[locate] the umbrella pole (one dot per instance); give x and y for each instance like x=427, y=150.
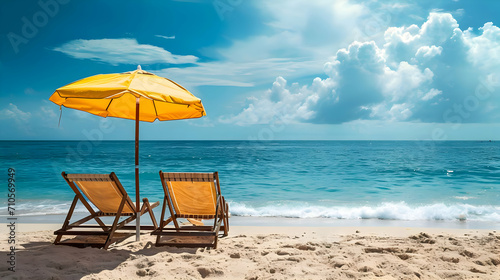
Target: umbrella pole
x=137, y=196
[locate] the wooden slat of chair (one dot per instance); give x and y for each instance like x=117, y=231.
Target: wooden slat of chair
x=196, y=177
x=90, y=177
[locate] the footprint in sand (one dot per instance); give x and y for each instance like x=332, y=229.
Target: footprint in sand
x=205, y=272
x=140, y=265
x=146, y=272
x=235, y=255
x=282, y=253
x=305, y=247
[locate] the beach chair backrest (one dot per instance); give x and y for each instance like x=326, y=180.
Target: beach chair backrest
x=192, y=193
x=103, y=190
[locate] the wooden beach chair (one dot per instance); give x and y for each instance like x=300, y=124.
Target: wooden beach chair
x=107, y=194
x=195, y=197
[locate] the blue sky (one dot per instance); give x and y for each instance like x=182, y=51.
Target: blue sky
x=265, y=70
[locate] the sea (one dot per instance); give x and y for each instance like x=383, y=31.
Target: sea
x=406, y=183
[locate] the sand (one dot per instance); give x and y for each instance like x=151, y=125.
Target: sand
x=268, y=253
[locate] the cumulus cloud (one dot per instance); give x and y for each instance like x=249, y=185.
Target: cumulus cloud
x=428, y=51
x=121, y=51
x=14, y=113
x=435, y=72
x=281, y=103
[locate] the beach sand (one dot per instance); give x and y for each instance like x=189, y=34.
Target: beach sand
x=252, y=252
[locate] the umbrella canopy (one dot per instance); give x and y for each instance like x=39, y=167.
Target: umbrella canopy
x=136, y=95
x=114, y=95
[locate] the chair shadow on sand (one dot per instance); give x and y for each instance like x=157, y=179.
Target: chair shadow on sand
x=44, y=260
x=38, y=258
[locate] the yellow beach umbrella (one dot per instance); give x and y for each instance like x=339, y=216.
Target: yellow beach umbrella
x=137, y=95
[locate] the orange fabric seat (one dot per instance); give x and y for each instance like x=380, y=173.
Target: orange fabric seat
x=195, y=197
x=107, y=194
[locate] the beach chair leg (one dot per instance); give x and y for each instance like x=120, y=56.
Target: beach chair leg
x=174, y=219
x=218, y=222
x=68, y=218
x=158, y=239
x=225, y=216
x=115, y=223
x=147, y=207
x=225, y=226
x=160, y=228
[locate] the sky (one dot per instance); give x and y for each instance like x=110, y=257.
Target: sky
x=264, y=70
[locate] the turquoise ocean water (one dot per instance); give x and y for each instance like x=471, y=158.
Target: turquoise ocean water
x=336, y=180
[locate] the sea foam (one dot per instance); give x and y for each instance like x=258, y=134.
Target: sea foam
x=385, y=211
x=43, y=207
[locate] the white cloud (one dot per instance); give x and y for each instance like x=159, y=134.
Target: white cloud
x=166, y=37
x=122, y=51
x=431, y=94
x=48, y=112
x=432, y=73
x=438, y=28
x=79, y=114
x=428, y=52
x=228, y=73
x=403, y=43
x=484, y=49
x=295, y=43
x=400, y=112
x=405, y=81
x=47, y=116
x=281, y=103
x=14, y=113
x=203, y=122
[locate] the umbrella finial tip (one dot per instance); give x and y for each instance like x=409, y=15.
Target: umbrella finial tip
x=139, y=67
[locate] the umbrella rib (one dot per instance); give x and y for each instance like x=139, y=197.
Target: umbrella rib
x=140, y=94
x=109, y=104
x=112, y=96
x=154, y=106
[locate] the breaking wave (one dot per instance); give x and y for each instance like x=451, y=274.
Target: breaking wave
x=384, y=211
